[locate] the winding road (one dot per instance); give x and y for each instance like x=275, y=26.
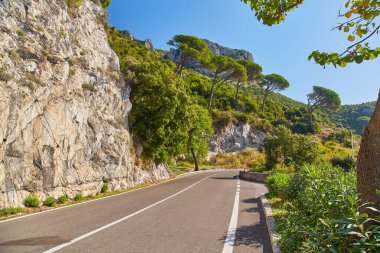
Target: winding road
x=204, y=212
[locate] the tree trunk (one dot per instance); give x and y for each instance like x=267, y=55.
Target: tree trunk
x=211, y=96
x=368, y=165
x=237, y=92
x=264, y=101
x=196, y=167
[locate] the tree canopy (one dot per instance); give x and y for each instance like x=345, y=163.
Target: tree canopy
x=358, y=20
x=272, y=82
x=224, y=69
x=191, y=48
x=321, y=98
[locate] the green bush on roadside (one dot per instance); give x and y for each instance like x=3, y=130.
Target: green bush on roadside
x=322, y=213
x=62, y=199
x=32, y=200
x=104, y=188
x=12, y=210
x=50, y=201
x=78, y=197
x=277, y=184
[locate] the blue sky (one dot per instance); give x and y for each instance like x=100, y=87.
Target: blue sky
x=281, y=49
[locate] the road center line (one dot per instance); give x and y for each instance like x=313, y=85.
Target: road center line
x=55, y=249
x=231, y=234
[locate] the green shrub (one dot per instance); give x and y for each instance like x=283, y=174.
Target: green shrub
x=78, y=197
x=347, y=163
x=62, y=199
x=104, y=188
x=12, y=210
x=289, y=149
x=277, y=184
x=323, y=204
x=50, y=201
x=32, y=200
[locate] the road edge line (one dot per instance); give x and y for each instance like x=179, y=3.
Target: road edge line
x=231, y=234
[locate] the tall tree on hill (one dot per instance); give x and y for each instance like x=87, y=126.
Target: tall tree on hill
x=359, y=21
x=200, y=129
x=253, y=70
x=224, y=69
x=190, y=49
x=321, y=98
x=270, y=84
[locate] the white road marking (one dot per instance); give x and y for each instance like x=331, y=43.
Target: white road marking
x=231, y=234
x=103, y=198
x=55, y=249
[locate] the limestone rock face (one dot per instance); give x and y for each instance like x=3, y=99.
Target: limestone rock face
x=236, y=138
x=226, y=51
x=63, y=108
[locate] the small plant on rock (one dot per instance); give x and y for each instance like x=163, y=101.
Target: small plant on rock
x=62, y=199
x=78, y=197
x=32, y=200
x=104, y=188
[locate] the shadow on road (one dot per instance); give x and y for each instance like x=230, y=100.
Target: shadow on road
x=47, y=240
x=254, y=236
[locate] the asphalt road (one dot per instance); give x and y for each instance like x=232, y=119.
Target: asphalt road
x=194, y=213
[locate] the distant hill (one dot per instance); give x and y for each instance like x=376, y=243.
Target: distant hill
x=349, y=114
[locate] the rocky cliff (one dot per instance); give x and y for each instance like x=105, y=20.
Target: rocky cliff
x=216, y=49
x=226, y=51
x=236, y=138
x=63, y=107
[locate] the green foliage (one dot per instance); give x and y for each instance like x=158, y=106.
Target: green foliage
x=50, y=201
x=200, y=129
x=277, y=184
x=104, y=188
x=342, y=136
x=347, y=163
x=322, y=214
x=353, y=116
x=191, y=49
x=289, y=149
x=62, y=199
x=253, y=70
x=32, y=200
x=272, y=83
x=12, y=210
x=78, y=197
x=358, y=20
x=323, y=98
x=74, y=3
x=105, y=3
x=272, y=12
x=160, y=117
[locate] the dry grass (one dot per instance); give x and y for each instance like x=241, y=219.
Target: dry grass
x=245, y=159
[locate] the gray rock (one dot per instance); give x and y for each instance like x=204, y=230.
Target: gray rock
x=236, y=138
x=63, y=116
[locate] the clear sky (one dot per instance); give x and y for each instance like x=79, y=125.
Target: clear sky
x=281, y=49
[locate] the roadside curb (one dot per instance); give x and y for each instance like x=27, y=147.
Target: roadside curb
x=270, y=224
